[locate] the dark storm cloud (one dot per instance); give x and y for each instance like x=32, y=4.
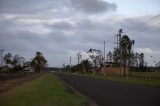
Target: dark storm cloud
x=93, y=6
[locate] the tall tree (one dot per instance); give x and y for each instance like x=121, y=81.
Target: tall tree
x=125, y=46
x=38, y=62
x=16, y=60
x=86, y=65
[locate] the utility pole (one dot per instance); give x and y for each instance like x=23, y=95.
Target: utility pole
x=104, y=60
x=70, y=60
x=119, y=38
x=1, y=56
x=83, y=65
x=78, y=57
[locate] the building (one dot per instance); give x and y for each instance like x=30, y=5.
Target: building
x=29, y=69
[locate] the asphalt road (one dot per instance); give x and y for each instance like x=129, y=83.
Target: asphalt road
x=110, y=93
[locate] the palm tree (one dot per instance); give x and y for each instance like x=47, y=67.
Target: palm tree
x=38, y=62
x=126, y=46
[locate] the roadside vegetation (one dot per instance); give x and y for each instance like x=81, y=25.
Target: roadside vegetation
x=17, y=64
x=138, y=78
x=122, y=64
x=44, y=91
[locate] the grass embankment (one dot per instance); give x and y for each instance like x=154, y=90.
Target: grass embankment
x=44, y=91
x=146, y=82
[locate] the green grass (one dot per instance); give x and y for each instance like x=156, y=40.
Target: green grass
x=153, y=83
x=44, y=91
x=147, y=74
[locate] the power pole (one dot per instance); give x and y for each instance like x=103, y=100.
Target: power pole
x=117, y=41
x=104, y=60
x=78, y=57
x=83, y=65
x=119, y=38
x=70, y=60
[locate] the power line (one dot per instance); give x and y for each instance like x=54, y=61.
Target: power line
x=132, y=29
x=137, y=31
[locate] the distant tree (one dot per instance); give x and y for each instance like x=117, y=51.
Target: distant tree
x=116, y=55
x=38, y=62
x=16, y=60
x=87, y=66
x=136, y=59
x=27, y=64
x=18, y=63
x=141, y=60
x=96, y=56
x=22, y=61
x=8, y=59
x=14, y=63
x=110, y=56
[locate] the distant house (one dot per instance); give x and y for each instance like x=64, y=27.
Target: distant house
x=29, y=69
x=113, y=68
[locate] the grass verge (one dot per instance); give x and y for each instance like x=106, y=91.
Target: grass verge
x=44, y=91
x=153, y=83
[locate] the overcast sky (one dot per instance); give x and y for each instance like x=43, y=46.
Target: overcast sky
x=61, y=28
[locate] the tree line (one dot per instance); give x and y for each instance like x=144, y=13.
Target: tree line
x=16, y=63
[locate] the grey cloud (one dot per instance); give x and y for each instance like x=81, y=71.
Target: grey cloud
x=146, y=35
x=85, y=34
x=93, y=6
x=88, y=24
x=60, y=25
x=26, y=44
x=58, y=37
x=28, y=6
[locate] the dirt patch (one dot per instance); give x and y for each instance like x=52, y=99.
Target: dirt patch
x=6, y=85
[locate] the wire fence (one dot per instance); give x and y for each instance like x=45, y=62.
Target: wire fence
x=138, y=77
x=135, y=77
x=9, y=76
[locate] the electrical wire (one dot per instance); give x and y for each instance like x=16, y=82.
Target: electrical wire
x=140, y=25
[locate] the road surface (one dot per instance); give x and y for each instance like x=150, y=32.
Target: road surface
x=110, y=93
